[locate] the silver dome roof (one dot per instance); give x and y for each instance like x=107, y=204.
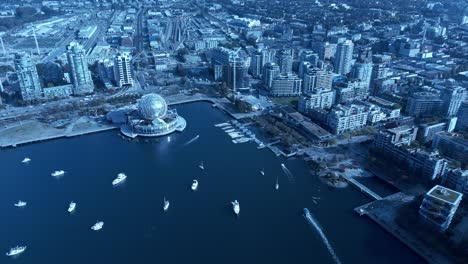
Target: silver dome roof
x=152, y=106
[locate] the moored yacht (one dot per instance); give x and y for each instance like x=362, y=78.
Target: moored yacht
x=71, y=207
x=15, y=251
x=57, y=173
x=235, y=207
x=120, y=178
x=97, y=226
x=194, y=185
x=166, y=205
x=20, y=204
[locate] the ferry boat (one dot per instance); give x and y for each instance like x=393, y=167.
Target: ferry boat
x=194, y=185
x=235, y=207
x=166, y=205
x=201, y=166
x=71, y=207
x=20, y=204
x=57, y=173
x=26, y=160
x=97, y=226
x=15, y=251
x=120, y=178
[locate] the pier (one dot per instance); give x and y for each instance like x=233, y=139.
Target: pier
x=363, y=188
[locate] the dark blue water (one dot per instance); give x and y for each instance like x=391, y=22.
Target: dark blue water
x=199, y=227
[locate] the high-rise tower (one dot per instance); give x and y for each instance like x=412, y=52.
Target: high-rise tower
x=28, y=78
x=79, y=72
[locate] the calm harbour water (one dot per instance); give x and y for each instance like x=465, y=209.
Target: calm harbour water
x=199, y=227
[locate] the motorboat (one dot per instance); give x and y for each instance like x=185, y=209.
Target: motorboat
x=235, y=207
x=166, y=205
x=120, y=178
x=16, y=250
x=194, y=185
x=201, y=166
x=97, y=226
x=57, y=173
x=26, y=160
x=71, y=207
x=20, y=204
x=262, y=172
x=277, y=184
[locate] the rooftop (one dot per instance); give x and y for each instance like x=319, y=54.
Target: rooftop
x=445, y=194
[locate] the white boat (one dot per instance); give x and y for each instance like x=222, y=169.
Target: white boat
x=262, y=172
x=57, y=173
x=26, y=160
x=120, y=178
x=71, y=207
x=235, y=207
x=20, y=204
x=97, y=226
x=194, y=185
x=166, y=205
x=201, y=166
x=282, y=165
x=277, y=184
x=169, y=139
x=15, y=251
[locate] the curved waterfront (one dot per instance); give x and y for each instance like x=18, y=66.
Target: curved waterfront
x=199, y=227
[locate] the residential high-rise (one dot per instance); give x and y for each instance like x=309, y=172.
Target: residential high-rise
x=452, y=99
x=270, y=72
x=79, y=72
x=327, y=50
x=122, y=70
x=28, y=78
x=256, y=65
x=423, y=104
x=231, y=67
x=362, y=71
x=317, y=79
x=462, y=123
x=343, y=57
x=439, y=206
x=285, y=61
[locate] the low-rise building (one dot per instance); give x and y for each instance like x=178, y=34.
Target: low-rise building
x=439, y=206
x=395, y=145
x=457, y=180
x=58, y=91
x=286, y=85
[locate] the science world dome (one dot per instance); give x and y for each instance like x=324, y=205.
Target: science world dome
x=151, y=117
x=152, y=106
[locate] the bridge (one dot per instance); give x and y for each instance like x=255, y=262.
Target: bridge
x=363, y=188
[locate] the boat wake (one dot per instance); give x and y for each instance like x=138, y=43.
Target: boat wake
x=192, y=140
x=317, y=227
x=288, y=173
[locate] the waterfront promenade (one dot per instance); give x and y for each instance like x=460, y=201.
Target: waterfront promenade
x=34, y=131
